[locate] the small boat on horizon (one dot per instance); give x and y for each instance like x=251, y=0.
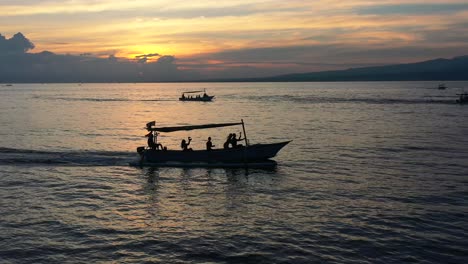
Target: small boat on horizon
x=197, y=96
x=442, y=86
x=256, y=155
x=462, y=98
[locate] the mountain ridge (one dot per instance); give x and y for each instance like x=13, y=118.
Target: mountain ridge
x=454, y=69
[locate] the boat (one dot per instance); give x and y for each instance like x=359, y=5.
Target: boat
x=462, y=98
x=197, y=96
x=442, y=86
x=248, y=155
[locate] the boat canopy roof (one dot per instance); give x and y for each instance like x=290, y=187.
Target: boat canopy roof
x=193, y=92
x=191, y=127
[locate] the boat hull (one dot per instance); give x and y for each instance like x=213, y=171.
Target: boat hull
x=199, y=99
x=250, y=154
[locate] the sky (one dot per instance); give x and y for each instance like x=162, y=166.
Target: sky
x=236, y=38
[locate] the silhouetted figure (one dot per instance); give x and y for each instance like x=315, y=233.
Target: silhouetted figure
x=228, y=141
x=209, y=144
x=234, y=140
x=151, y=143
x=184, y=144
x=156, y=144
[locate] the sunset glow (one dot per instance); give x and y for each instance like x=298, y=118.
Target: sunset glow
x=244, y=32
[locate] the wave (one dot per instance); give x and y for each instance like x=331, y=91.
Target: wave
x=90, y=99
x=321, y=100
x=13, y=156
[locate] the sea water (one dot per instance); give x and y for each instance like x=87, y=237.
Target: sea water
x=377, y=172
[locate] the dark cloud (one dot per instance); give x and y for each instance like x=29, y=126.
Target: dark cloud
x=147, y=55
x=18, y=66
x=112, y=58
x=17, y=44
x=288, y=54
x=144, y=57
x=453, y=33
x=309, y=58
x=166, y=60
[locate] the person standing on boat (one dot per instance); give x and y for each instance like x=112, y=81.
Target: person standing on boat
x=184, y=144
x=151, y=143
x=209, y=144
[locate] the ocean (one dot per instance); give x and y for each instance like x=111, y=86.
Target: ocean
x=377, y=172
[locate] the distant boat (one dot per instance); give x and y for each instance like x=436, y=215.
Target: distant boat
x=442, y=86
x=462, y=98
x=256, y=154
x=196, y=96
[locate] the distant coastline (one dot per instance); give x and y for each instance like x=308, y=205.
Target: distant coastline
x=432, y=70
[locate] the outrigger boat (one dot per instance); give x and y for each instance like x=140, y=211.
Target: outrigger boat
x=186, y=96
x=248, y=155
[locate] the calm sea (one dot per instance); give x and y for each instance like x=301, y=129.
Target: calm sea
x=377, y=172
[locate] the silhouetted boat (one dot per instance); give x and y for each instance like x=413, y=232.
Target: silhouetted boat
x=462, y=98
x=196, y=96
x=442, y=86
x=248, y=155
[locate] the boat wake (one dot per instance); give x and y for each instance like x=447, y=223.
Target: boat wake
x=23, y=157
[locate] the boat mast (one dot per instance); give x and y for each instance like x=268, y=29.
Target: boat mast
x=245, y=135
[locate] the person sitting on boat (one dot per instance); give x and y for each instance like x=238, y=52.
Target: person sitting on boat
x=234, y=140
x=184, y=144
x=205, y=95
x=209, y=144
x=183, y=96
x=228, y=141
x=152, y=141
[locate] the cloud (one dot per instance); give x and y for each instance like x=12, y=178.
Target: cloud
x=17, y=44
x=380, y=48
x=412, y=9
x=144, y=57
x=16, y=65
